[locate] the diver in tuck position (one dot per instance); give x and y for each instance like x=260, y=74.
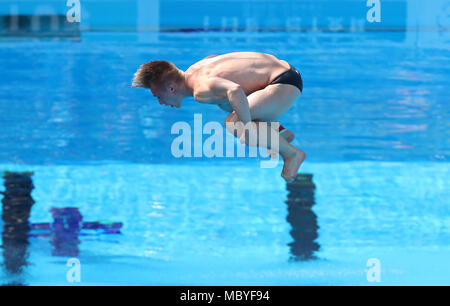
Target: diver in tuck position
x=253, y=87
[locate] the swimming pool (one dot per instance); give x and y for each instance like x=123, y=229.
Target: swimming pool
x=373, y=120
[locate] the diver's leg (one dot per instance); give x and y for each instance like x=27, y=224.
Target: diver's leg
x=267, y=105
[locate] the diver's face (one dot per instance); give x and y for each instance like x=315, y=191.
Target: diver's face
x=168, y=96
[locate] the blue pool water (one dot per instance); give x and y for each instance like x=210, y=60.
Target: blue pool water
x=373, y=120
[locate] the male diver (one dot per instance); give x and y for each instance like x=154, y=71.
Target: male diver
x=252, y=87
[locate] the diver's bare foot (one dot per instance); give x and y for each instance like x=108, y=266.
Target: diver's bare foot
x=292, y=164
x=288, y=135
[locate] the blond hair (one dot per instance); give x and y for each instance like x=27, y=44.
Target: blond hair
x=156, y=73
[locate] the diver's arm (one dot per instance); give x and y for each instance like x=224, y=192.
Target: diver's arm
x=219, y=89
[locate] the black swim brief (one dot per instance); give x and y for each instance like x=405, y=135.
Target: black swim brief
x=292, y=77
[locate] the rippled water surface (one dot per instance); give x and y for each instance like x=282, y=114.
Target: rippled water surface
x=373, y=120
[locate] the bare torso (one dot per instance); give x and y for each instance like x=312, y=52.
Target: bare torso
x=251, y=70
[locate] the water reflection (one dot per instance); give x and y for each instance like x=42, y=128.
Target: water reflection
x=16, y=207
x=67, y=227
x=65, y=230
x=302, y=218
